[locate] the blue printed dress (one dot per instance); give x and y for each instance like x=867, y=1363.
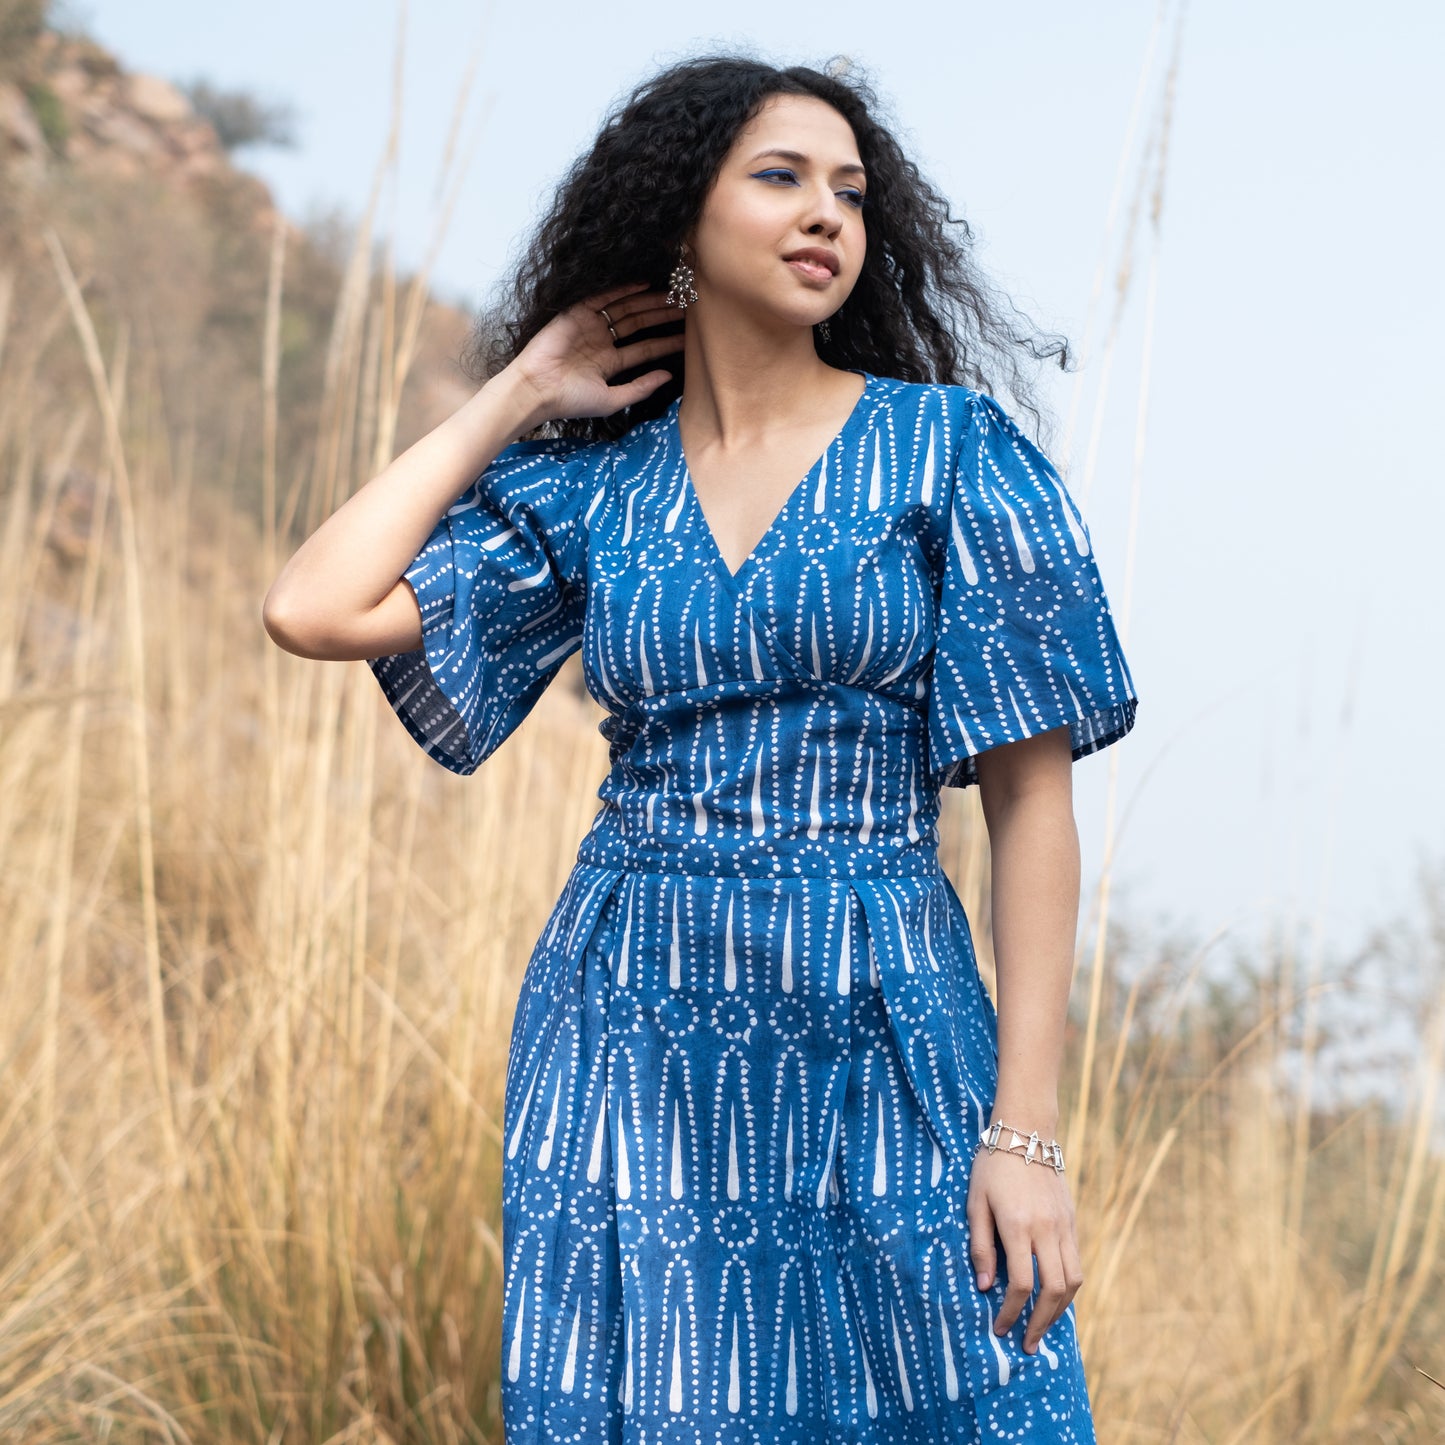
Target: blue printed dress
x=752, y=1053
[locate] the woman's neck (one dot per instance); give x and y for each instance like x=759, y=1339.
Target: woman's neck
x=740, y=387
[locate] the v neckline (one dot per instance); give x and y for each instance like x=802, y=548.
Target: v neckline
x=705, y=527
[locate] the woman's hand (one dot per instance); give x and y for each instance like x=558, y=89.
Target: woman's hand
x=1030, y=1207
x=565, y=369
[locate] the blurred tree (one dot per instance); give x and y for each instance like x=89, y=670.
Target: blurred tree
x=239, y=118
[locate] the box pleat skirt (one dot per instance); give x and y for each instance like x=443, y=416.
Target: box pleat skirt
x=739, y=1123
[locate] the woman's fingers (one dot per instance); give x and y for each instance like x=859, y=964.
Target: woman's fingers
x=627, y=303
x=980, y=1233
x=615, y=293
x=631, y=392
x=570, y=361
x=1019, y=1255
x=639, y=351
x=1060, y=1275
x=642, y=312
x=626, y=324
x=1032, y=1219
x=1054, y=1293
x=1073, y=1267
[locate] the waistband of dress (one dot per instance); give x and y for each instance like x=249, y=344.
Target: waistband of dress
x=847, y=867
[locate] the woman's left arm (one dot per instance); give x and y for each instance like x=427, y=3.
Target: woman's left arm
x=1026, y=789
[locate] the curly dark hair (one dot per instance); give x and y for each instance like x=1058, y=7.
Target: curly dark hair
x=920, y=311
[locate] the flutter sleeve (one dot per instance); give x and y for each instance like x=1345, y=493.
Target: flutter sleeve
x=501, y=583
x=1026, y=640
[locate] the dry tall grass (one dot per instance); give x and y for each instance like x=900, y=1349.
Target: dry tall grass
x=259, y=959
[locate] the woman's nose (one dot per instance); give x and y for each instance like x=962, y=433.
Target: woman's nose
x=825, y=214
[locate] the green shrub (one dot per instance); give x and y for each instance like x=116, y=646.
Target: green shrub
x=49, y=114
x=240, y=119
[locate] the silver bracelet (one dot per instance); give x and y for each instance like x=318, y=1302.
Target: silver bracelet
x=1034, y=1150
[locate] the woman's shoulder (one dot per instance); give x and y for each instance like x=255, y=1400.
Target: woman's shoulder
x=926, y=398
x=942, y=412
x=962, y=411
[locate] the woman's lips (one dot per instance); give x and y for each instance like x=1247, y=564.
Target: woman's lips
x=813, y=270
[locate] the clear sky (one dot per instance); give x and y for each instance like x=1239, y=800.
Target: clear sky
x=1283, y=616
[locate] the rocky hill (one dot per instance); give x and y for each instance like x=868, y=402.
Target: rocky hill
x=77, y=107
x=171, y=240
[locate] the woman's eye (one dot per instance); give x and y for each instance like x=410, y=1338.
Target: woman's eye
x=855, y=199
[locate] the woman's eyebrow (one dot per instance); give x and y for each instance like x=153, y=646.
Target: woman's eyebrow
x=851, y=167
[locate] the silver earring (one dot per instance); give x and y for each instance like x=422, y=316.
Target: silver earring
x=825, y=331
x=681, y=291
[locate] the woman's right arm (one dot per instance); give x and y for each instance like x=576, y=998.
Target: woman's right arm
x=342, y=595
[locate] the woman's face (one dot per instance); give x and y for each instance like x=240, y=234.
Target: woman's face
x=791, y=184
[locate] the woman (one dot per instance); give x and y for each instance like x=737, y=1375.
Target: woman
x=815, y=577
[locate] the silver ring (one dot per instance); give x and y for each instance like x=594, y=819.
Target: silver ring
x=602, y=311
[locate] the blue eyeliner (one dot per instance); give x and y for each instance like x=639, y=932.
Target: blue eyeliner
x=858, y=198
